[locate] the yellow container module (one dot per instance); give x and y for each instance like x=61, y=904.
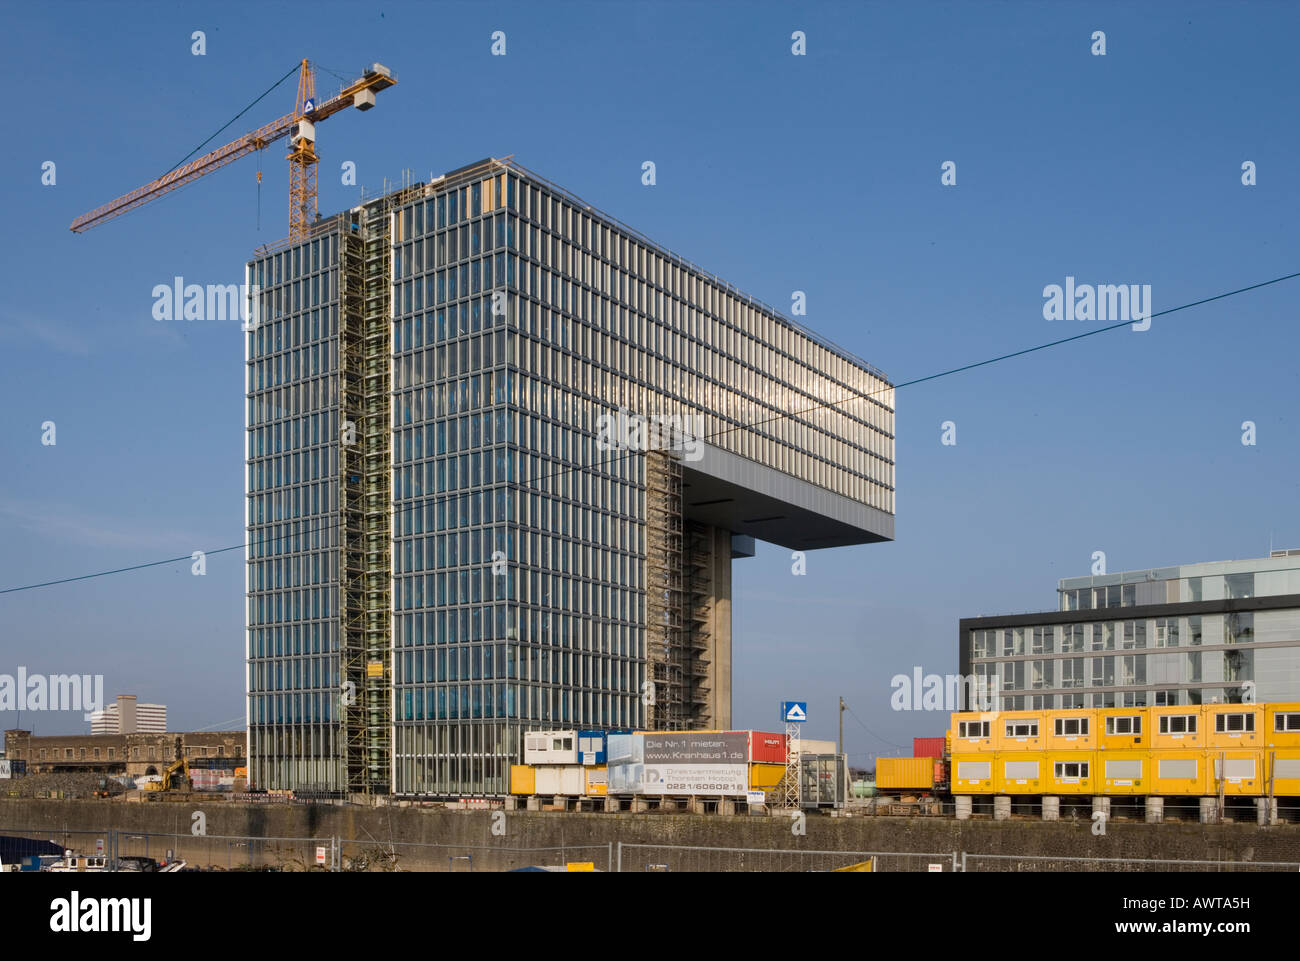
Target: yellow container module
x=1282, y=724
x=597, y=780
x=523, y=779
x=764, y=777
x=1123, y=772
x=1020, y=731
x=1071, y=730
x=1123, y=728
x=905, y=773
x=1234, y=725
x=1020, y=772
x=1282, y=767
x=1239, y=771
x=972, y=731
x=1181, y=727
x=1178, y=772
x=1069, y=772
x=973, y=773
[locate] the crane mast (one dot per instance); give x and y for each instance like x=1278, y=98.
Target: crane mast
x=299, y=127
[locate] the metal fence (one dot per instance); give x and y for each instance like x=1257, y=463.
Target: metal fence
x=244, y=853
x=1019, y=862
x=376, y=855
x=230, y=852
x=677, y=858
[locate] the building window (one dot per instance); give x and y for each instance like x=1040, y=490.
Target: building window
x=1022, y=729
x=1238, y=628
x=1071, y=727
x=1240, y=585
x=1126, y=724
x=1071, y=770
x=1238, y=666
x=1167, y=632
x=111, y=753
x=67, y=754
x=972, y=728
x=1178, y=724
x=1043, y=640
x=1234, y=723
x=96, y=754
x=1281, y=722
x=1280, y=716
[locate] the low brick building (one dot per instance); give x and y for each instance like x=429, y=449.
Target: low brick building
x=133, y=754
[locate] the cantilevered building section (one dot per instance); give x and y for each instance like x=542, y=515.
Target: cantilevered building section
x=443, y=550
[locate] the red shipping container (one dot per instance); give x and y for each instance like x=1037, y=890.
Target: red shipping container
x=766, y=748
x=927, y=747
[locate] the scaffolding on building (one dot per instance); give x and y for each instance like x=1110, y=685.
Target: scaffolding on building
x=698, y=570
x=668, y=709
x=365, y=492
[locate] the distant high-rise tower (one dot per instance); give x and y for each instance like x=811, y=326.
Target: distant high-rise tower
x=501, y=452
x=129, y=717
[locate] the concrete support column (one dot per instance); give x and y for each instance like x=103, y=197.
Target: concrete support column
x=963, y=804
x=534, y=804
x=695, y=805
x=1100, y=805
x=1002, y=807
x=511, y=803
x=1266, y=811
x=640, y=805
x=727, y=806
x=1155, y=810
x=611, y=805
x=1209, y=810
x=561, y=802
x=1051, y=809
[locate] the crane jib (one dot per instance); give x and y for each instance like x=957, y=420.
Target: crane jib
x=359, y=94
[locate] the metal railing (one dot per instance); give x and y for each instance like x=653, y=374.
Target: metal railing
x=677, y=858
x=1020, y=862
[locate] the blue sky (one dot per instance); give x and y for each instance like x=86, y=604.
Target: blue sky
x=818, y=173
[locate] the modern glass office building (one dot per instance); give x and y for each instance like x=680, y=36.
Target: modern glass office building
x=1212, y=633
x=502, y=451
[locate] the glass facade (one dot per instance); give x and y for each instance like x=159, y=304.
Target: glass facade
x=519, y=316
x=292, y=484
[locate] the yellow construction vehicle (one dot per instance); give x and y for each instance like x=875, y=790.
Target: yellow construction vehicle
x=170, y=779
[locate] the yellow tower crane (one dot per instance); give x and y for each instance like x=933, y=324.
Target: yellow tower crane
x=299, y=127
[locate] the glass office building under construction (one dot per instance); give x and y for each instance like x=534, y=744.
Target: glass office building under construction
x=501, y=452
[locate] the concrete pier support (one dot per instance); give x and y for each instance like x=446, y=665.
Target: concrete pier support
x=1100, y=805
x=1155, y=810
x=1051, y=809
x=640, y=805
x=1209, y=810
x=611, y=805
x=1266, y=811
x=1002, y=807
x=963, y=805
x=534, y=804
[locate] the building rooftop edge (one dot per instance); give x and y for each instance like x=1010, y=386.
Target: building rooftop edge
x=468, y=171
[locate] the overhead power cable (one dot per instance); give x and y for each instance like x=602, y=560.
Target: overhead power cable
x=292, y=71
x=717, y=434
